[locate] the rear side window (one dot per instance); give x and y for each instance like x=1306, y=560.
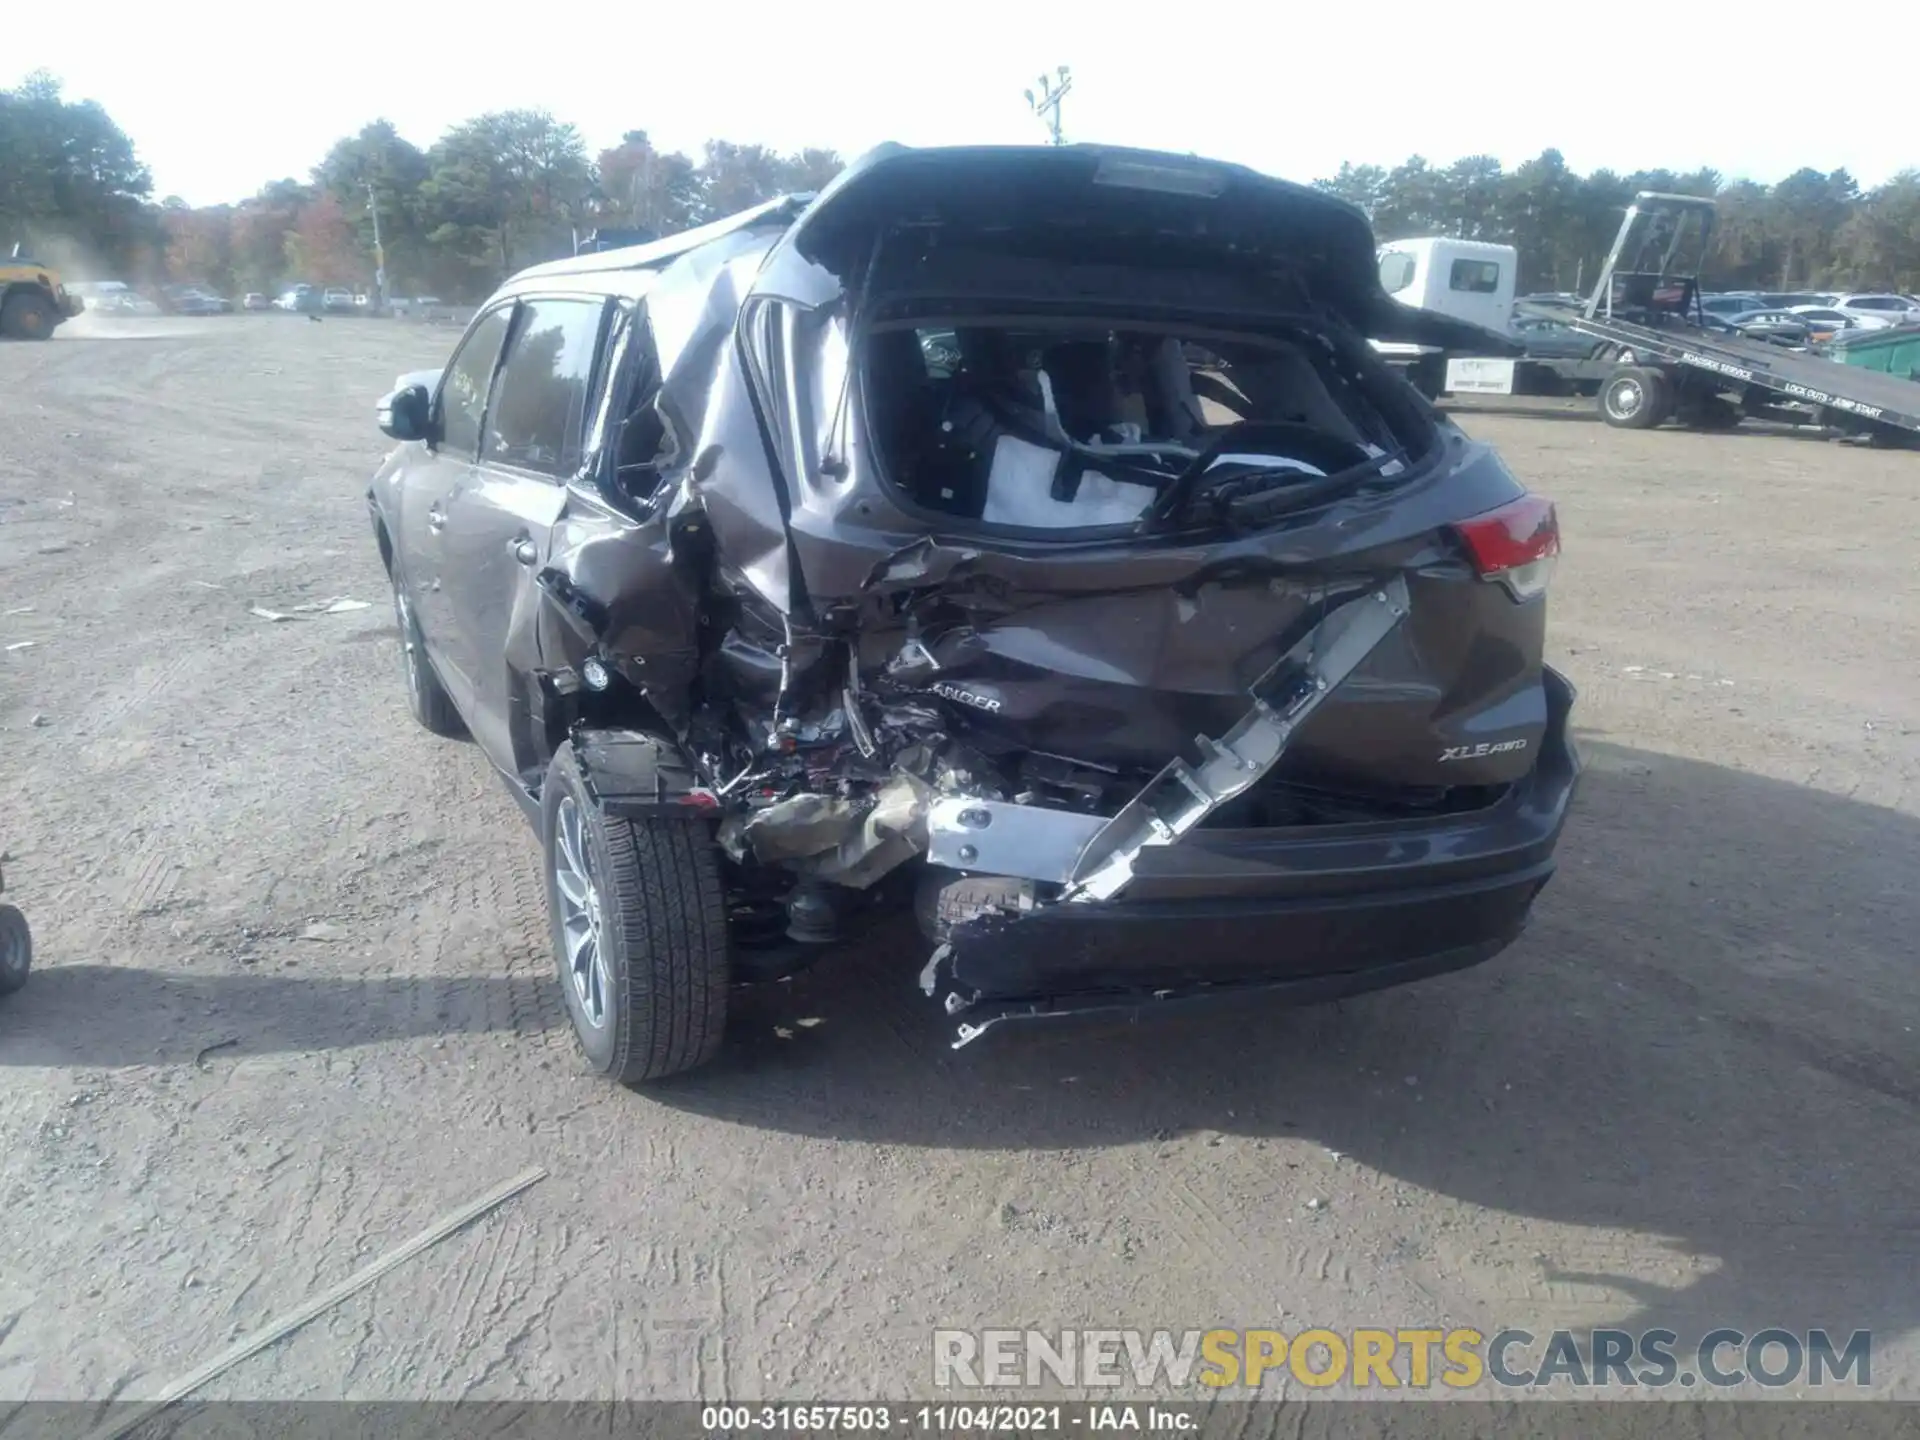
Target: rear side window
x=645, y=441
x=463, y=396
x=1479, y=277
x=538, y=416
x=1396, y=272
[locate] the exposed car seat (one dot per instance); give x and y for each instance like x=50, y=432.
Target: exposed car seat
x=991, y=444
x=1174, y=409
x=1284, y=385
x=1080, y=374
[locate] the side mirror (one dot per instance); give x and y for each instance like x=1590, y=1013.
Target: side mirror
x=407, y=414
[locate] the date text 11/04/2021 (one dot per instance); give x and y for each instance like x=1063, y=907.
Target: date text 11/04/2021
x=949, y=1418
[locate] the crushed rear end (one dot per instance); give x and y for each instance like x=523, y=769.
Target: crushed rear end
x=1041, y=522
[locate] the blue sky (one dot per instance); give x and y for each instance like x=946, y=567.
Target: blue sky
x=1290, y=90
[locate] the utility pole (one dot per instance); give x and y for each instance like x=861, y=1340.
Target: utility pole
x=1047, y=106
x=379, y=253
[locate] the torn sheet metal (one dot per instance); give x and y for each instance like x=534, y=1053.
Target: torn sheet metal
x=1181, y=796
x=847, y=841
x=1093, y=856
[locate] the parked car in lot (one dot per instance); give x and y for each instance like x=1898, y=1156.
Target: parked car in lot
x=1780, y=327
x=124, y=303
x=417, y=306
x=97, y=294
x=1891, y=309
x=254, y=300
x=1823, y=322
x=193, y=299
x=336, y=301
x=1724, y=306
x=771, y=624
x=1549, y=340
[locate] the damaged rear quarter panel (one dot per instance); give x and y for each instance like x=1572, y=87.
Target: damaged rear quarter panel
x=649, y=602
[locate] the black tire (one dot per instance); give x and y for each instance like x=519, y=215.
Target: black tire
x=1634, y=398
x=661, y=929
x=948, y=898
x=1713, y=412
x=28, y=315
x=16, y=949
x=426, y=696
x=1662, y=391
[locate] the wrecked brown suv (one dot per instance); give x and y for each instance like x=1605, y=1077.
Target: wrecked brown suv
x=1025, y=537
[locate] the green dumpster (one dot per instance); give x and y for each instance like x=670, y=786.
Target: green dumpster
x=1895, y=351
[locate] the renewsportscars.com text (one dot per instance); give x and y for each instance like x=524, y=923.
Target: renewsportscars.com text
x=1393, y=1359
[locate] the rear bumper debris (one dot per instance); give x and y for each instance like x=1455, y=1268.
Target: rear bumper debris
x=1291, y=916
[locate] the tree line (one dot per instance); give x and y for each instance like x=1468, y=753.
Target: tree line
x=1809, y=230
x=510, y=188
x=492, y=195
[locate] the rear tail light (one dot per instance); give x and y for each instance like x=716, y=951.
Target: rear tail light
x=1515, y=544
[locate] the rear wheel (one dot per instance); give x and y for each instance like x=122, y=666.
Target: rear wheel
x=28, y=315
x=1634, y=398
x=639, y=922
x=426, y=696
x=16, y=949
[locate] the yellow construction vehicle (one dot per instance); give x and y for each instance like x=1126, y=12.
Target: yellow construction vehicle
x=33, y=302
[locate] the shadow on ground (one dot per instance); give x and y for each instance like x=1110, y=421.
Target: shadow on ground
x=1709, y=1035
x=109, y=1016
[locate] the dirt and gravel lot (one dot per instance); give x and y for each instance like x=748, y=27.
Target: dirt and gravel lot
x=295, y=998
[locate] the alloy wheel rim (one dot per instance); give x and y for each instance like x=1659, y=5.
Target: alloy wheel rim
x=1627, y=398
x=581, y=930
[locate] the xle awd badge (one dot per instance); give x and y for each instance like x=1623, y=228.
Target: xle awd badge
x=1485, y=747
x=966, y=697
